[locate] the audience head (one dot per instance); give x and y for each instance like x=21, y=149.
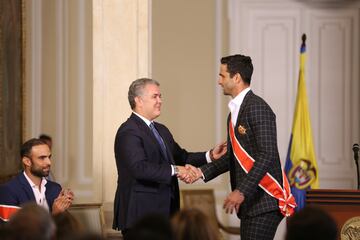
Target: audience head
x=311, y=223
x=193, y=224
x=67, y=226
x=26, y=147
x=46, y=138
x=32, y=222
x=87, y=236
x=151, y=227
x=5, y=232
x=137, y=89
x=35, y=155
x=239, y=64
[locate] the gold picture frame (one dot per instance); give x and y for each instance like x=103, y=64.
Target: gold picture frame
x=90, y=216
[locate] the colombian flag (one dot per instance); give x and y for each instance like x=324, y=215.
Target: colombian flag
x=301, y=167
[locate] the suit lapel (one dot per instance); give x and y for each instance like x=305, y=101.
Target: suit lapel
x=146, y=129
x=26, y=186
x=48, y=195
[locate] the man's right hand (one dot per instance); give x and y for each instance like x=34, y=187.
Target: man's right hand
x=218, y=151
x=189, y=174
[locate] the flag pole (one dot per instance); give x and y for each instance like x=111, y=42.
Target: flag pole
x=303, y=38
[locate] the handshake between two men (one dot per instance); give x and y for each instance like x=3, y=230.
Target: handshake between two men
x=190, y=174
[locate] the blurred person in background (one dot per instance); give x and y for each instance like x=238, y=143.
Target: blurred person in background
x=31, y=222
x=193, y=224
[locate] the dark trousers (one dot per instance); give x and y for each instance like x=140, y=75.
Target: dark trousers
x=125, y=233
x=261, y=227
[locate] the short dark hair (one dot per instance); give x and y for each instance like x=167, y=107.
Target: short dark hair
x=239, y=64
x=136, y=89
x=27, y=146
x=152, y=226
x=311, y=223
x=45, y=137
x=192, y=223
x=32, y=222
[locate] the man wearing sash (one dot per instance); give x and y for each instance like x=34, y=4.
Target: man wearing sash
x=259, y=195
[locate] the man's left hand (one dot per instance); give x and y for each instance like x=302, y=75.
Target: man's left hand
x=233, y=201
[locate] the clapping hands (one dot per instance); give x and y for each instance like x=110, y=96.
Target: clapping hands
x=63, y=201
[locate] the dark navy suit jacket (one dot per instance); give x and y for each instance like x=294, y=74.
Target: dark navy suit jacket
x=18, y=191
x=145, y=184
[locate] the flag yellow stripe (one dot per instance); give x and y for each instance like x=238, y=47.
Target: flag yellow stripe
x=302, y=143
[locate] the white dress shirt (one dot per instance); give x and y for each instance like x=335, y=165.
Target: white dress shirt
x=235, y=104
x=39, y=192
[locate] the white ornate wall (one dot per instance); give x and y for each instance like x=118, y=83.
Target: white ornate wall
x=270, y=31
x=81, y=56
x=121, y=45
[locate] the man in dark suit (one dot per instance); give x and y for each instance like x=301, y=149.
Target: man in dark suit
x=31, y=185
x=149, y=160
x=252, y=154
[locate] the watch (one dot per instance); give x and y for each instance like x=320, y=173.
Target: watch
x=176, y=170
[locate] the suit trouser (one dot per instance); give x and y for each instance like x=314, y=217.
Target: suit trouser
x=125, y=233
x=261, y=227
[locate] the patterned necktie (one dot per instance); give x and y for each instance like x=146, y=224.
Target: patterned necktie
x=159, y=139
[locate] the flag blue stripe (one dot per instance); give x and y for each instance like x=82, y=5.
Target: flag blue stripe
x=288, y=162
x=299, y=194
x=303, y=48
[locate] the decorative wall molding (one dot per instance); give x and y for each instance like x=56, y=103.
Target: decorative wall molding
x=143, y=21
x=60, y=62
x=270, y=32
x=35, y=69
x=83, y=176
x=218, y=54
x=61, y=90
x=98, y=98
x=333, y=57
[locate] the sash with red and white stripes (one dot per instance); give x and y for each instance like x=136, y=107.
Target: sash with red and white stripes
x=6, y=211
x=268, y=183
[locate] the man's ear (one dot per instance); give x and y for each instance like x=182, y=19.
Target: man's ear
x=238, y=78
x=26, y=161
x=138, y=101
